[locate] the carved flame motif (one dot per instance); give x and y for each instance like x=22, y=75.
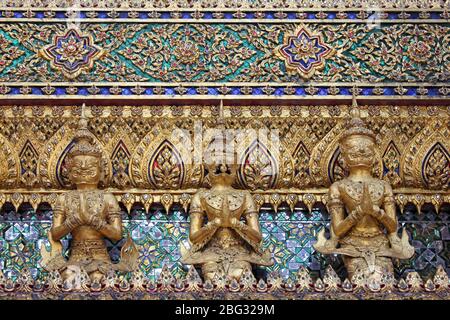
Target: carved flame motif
x=120, y=164
x=436, y=168
x=166, y=169
x=391, y=164
x=28, y=165
x=258, y=169
x=301, y=166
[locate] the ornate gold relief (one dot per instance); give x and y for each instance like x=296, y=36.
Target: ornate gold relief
x=336, y=168
x=259, y=169
x=427, y=157
x=322, y=154
x=166, y=168
x=165, y=161
x=120, y=161
x=391, y=164
x=436, y=171
x=9, y=164
x=301, y=159
x=142, y=151
x=28, y=165
x=265, y=163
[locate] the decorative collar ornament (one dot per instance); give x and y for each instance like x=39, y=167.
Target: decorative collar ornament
x=72, y=53
x=304, y=52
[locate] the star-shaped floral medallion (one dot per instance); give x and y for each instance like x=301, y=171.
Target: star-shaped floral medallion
x=72, y=53
x=304, y=52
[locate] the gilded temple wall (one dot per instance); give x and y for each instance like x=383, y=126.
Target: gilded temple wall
x=413, y=157
x=145, y=70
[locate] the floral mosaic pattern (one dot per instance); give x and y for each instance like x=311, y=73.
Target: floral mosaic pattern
x=289, y=236
x=304, y=52
x=158, y=52
x=71, y=53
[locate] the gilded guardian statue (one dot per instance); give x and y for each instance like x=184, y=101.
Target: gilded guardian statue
x=89, y=215
x=362, y=209
x=229, y=241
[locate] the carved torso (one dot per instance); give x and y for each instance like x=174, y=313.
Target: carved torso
x=213, y=203
x=226, y=242
x=351, y=194
x=89, y=203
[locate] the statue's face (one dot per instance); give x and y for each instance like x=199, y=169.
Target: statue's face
x=358, y=151
x=84, y=170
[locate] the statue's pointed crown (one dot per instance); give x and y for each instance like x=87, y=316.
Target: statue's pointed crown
x=220, y=146
x=356, y=125
x=84, y=140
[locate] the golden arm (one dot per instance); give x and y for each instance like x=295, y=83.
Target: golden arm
x=252, y=229
x=112, y=228
x=341, y=225
x=61, y=226
x=389, y=218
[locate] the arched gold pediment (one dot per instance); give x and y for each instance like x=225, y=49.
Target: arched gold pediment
x=258, y=167
x=164, y=160
x=264, y=161
x=427, y=158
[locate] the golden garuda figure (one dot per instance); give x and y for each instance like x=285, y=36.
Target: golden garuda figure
x=362, y=209
x=89, y=215
x=225, y=235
